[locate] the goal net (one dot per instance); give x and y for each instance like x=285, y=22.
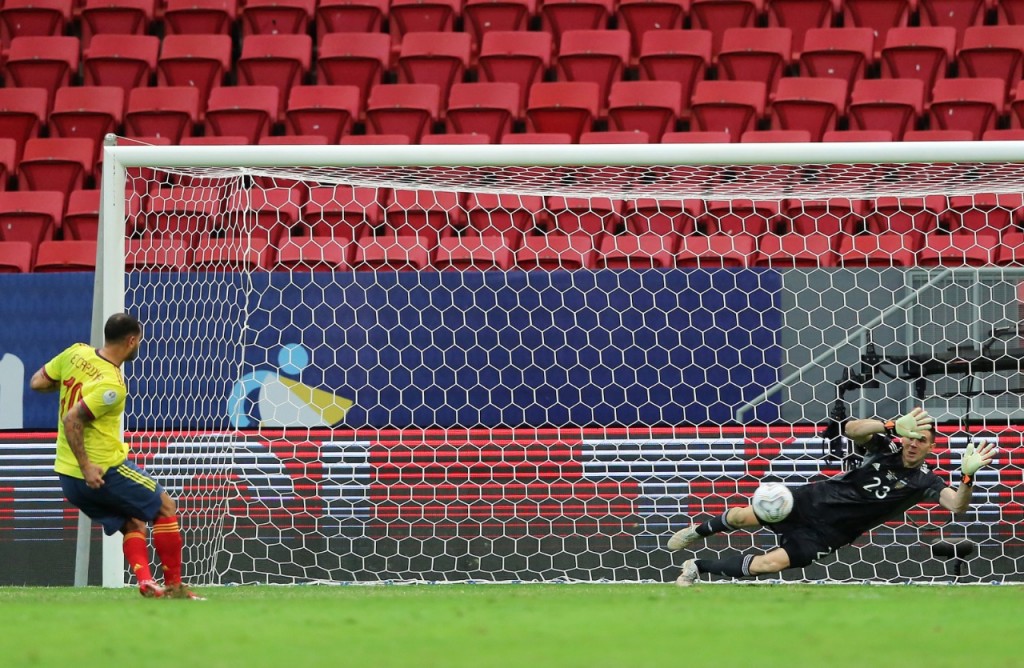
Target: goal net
x=536, y=362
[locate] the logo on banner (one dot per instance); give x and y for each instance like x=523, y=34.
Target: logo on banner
x=278, y=399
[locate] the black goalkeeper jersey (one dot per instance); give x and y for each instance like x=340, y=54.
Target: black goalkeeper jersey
x=845, y=506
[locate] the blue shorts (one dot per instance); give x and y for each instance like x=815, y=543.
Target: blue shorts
x=127, y=492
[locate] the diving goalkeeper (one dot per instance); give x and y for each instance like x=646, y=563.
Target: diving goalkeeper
x=834, y=512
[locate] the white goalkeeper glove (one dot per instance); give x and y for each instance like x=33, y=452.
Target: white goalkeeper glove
x=914, y=424
x=975, y=459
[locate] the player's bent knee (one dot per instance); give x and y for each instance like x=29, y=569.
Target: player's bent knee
x=133, y=524
x=167, y=506
x=773, y=562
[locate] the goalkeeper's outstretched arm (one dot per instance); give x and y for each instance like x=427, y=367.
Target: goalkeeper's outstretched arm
x=974, y=459
x=913, y=425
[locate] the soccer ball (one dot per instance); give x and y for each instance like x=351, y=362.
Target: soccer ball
x=772, y=502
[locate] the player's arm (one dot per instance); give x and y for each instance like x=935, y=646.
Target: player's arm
x=41, y=382
x=973, y=460
x=74, y=432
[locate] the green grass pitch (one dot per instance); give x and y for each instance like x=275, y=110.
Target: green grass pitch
x=533, y=626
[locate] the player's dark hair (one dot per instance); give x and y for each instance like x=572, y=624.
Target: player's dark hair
x=120, y=326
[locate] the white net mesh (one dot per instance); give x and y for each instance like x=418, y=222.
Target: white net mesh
x=526, y=372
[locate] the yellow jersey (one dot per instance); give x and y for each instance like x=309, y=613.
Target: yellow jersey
x=86, y=377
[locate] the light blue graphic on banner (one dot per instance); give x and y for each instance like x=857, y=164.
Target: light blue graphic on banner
x=274, y=400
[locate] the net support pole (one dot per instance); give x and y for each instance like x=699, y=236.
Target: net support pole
x=795, y=375
x=108, y=298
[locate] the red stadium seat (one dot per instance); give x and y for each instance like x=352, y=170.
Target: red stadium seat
x=22, y=112
x=438, y=58
x=475, y=252
x=374, y=140
x=276, y=17
x=328, y=111
x=661, y=217
x=81, y=219
x=982, y=212
x=795, y=250
x=755, y=54
x=642, y=16
x=595, y=215
x=404, y=109
x=800, y=16
x=831, y=218
x=739, y=216
x=717, y=16
x=158, y=254
x=938, y=135
x=126, y=61
x=593, y=55
x=537, y=138
x=705, y=137
x=484, y=16
x=559, y=16
x=775, y=136
x=424, y=213
x=453, y=138
x=312, y=254
x=1010, y=250
x=200, y=61
x=295, y=140
x=116, y=17
x=957, y=14
x=557, y=251
x=878, y=250
x=856, y=135
x=89, y=112
x=231, y=254
x=354, y=59
x=364, y=16
x=993, y=51
x=15, y=257
x=879, y=15
x=262, y=213
x=275, y=60
x=648, y=106
x=214, y=140
x=247, y=111
x=729, y=106
x=56, y=164
x=392, y=253
x=886, y=104
x=162, y=111
x=716, y=250
x=42, y=62
x=183, y=211
x=30, y=217
x=676, y=55
x=904, y=215
x=33, y=18
x=60, y=256
x=485, y=108
x=199, y=17
x=637, y=251
x=343, y=212
x=409, y=16
x=615, y=137
x=958, y=250
x=974, y=105
x=841, y=53
x=502, y=214
x=1016, y=134
x=517, y=57
x=919, y=53
x=811, y=104
x=569, y=106
x=8, y=160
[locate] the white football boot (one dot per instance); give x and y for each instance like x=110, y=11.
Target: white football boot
x=689, y=575
x=683, y=537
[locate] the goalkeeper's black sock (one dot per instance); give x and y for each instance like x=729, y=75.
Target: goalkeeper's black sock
x=734, y=566
x=717, y=525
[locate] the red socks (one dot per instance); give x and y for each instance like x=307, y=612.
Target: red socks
x=138, y=558
x=167, y=542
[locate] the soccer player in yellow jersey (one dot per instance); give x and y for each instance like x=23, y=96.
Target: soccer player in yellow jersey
x=92, y=460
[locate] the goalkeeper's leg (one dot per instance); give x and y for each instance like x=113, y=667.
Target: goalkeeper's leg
x=730, y=520
x=735, y=566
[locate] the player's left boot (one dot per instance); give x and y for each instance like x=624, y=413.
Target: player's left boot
x=181, y=591
x=683, y=537
x=150, y=589
x=689, y=575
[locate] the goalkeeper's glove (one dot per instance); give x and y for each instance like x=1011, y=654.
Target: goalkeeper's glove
x=914, y=424
x=976, y=458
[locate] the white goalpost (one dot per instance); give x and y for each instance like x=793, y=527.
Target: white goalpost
x=446, y=363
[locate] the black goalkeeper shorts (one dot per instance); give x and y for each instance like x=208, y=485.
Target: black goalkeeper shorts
x=801, y=539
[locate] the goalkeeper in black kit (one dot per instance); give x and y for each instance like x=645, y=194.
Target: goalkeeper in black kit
x=834, y=512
